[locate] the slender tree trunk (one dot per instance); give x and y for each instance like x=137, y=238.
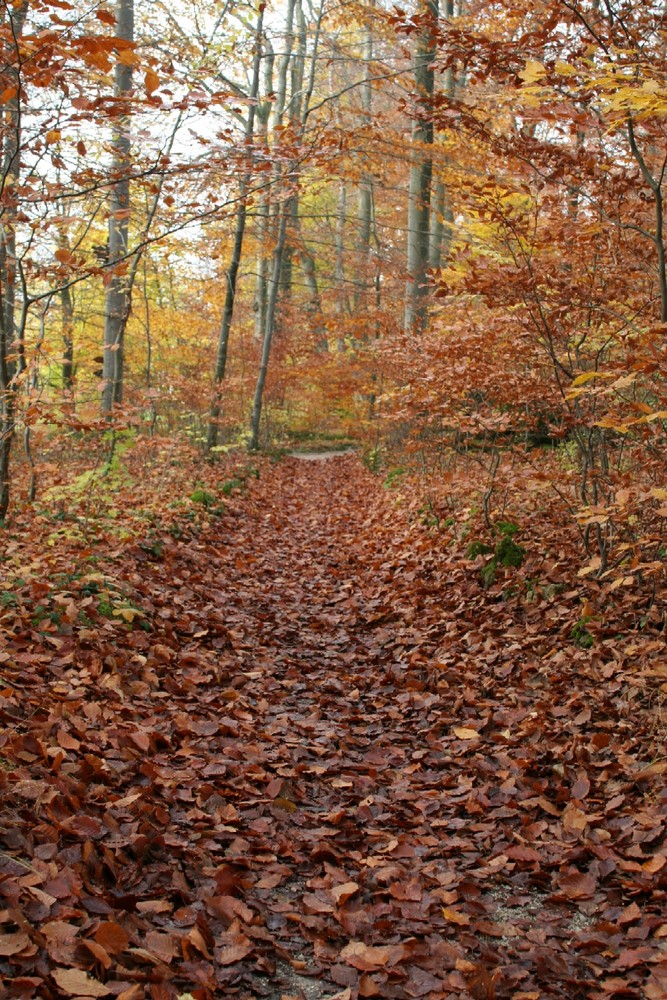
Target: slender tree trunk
x=442, y=215
x=67, y=319
x=264, y=202
x=364, y=282
x=341, y=303
x=12, y=23
x=307, y=260
x=419, y=197
x=235, y=263
x=269, y=329
x=118, y=296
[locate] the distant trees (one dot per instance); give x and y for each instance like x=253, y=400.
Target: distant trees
x=335, y=201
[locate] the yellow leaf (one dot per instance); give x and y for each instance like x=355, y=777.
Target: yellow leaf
x=564, y=69
x=533, y=72
x=585, y=377
x=455, y=917
x=128, y=58
x=127, y=614
x=465, y=734
x=53, y=135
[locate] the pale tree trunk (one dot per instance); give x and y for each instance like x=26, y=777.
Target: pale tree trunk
x=270, y=223
x=12, y=25
x=314, y=304
x=264, y=201
x=363, y=282
x=419, y=197
x=341, y=305
x=118, y=295
x=293, y=111
x=235, y=263
x=442, y=215
x=272, y=303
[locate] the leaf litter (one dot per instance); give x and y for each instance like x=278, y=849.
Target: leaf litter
x=319, y=762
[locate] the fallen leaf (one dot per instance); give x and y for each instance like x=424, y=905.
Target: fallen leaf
x=77, y=983
x=365, y=957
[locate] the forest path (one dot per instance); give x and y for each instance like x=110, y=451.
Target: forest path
x=328, y=766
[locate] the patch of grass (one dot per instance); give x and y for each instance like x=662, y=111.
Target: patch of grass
x=580, y=635
x=506, y=552
x=394, y=477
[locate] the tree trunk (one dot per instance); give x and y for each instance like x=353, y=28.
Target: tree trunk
x=419, y=197
x=13, y=25
x=67, y=314
x=264, y=203
x=364, y=282
x=117, y=307
x=442, y=215
x=269, y=329
x=235, y=263
x=341, y=304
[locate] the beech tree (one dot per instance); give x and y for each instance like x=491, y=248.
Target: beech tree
x=118, y=296
x=421, y=169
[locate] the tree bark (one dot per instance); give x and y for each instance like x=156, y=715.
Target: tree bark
x=419, y=197
x=13, y=25
x=364, y=282
x=269, y=329
x=442, y=215
x=264, y=202
x=118, y=295
x=67, y=314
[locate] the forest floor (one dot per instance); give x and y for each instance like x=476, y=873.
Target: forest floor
x=286, y=746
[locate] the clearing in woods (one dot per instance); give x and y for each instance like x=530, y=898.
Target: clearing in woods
x=326, y=766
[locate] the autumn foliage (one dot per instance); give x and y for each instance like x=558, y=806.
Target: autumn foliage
x=387, y=723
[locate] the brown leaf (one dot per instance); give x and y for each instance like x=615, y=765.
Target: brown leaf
x=112, y=937
x=85, y=827
x=13, y=944
x=521, y=853
x=409, y=891
x=341, y=893
x=577, y=885
x=61, y=940
x=234, y=952
x=481, y=985
x=99, y=953
x=366, y=958
x=163, y=946
x=67, y=741
x=77, y=983
x=465, y=733
x=581, y=788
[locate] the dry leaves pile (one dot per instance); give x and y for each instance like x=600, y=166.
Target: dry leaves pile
x=310, y=742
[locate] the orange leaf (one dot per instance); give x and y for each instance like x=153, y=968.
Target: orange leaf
x=151, y=81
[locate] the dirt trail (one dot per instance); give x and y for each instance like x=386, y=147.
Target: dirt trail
x=323, y=774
